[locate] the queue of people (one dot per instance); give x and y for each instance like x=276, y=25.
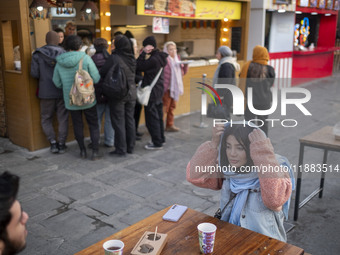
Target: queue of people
x=123, y=114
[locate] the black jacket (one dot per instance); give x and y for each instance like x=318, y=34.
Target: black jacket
x=261, y=79
x=99, y=59
x=42, y=68
x=124, y=52
x=151, y=67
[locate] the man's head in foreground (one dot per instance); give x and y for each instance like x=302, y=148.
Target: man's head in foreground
x=12, y=218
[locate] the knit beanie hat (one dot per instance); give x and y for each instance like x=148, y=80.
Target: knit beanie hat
x=52, y=38
x=225, y=51
x=150, y=40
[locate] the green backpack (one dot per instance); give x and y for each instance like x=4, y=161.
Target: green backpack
x=82, y=90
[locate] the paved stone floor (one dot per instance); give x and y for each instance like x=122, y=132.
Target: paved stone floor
x=74, y=203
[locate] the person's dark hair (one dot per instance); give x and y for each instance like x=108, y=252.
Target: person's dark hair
x=73, y=43
x=256, y=71
x=59, y=30
x=128, y=34
x=117, y=33
x=9, y=185
x=240, y=133
x=100, y=44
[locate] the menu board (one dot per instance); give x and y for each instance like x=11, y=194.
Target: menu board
x=176, y=8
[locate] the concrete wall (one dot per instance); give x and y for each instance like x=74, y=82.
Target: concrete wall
x=256, y=26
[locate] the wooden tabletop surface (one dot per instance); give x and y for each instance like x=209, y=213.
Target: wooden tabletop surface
x=183, y=237
x=322, y=137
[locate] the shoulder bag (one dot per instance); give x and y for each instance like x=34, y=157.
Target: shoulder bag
x=143, y=94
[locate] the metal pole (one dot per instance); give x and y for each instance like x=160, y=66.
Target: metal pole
x=204, y=102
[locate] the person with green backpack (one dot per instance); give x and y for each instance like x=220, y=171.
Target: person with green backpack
x=78, y=91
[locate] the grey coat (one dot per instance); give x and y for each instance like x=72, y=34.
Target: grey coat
x=42, y=68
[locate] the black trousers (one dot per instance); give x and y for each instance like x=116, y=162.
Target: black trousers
x=138, y=110
x=123, y=123
x=251, y=116
x=154, y=122
x=92, y=122
x=48, y=107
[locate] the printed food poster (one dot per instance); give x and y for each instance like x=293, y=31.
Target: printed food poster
x=178, y=8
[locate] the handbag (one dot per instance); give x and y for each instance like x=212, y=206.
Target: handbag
x=143, y=94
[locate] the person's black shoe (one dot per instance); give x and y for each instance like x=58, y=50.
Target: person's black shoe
x=54, y=147
x=118, y=153
x=90, y=146
x=139, y=134
x=95, y=155
x=83, y=153
x=108, y=146
x=62, y=148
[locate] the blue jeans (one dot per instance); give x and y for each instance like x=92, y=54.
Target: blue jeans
x=108, y=130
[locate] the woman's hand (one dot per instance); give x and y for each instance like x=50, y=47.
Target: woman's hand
x=148, y=49
x=256, y=135
x=217, y=131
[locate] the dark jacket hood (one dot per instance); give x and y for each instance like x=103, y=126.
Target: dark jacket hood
x=49, y=53
x=162, y=56
x=70, y=59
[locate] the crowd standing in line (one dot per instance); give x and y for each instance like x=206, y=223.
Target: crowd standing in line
x=173, y=84
x=63, y=77
x=122, y=110
x=151, y=65
x=51, y=97
x=103, y=108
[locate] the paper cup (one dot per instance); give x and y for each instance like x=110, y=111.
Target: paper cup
x=206, y=237
x=113, y=247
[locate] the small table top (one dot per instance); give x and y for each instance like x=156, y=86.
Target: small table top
x=183, y=237
x=323, y=137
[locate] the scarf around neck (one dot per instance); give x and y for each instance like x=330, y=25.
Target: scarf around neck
x=176, y=83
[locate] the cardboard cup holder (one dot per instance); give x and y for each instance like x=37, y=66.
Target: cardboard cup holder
x=147, y=245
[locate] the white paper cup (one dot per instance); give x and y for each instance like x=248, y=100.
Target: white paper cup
x=113, y=247
x=206, y=237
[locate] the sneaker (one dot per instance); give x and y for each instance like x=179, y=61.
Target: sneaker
x=95, y=155
x=172, y=129
x=151, y=143
x=151, y=146
x=54, y=147
x=62, y=148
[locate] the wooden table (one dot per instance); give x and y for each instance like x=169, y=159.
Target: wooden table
x=183, y=237
x=321, y=139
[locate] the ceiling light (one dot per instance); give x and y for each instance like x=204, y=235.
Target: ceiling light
x=314, y=13
x=225, y=29
x=225, y=19
x=298, y=12
x=281, y=11
x=107, y=13
x=328, y=14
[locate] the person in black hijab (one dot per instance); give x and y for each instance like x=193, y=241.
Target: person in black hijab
x=122, y=111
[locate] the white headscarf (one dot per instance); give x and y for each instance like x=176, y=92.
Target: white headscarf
x=176, y=83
